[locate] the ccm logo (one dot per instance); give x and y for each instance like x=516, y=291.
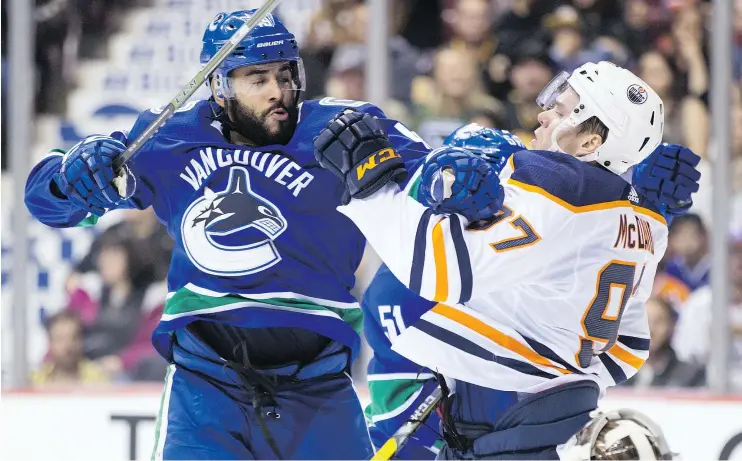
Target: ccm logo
x=264, y=44
x=376, y=159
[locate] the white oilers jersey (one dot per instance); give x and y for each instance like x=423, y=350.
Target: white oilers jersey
x=551, y=290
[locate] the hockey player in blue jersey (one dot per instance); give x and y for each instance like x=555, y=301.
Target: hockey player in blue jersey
x=260, y=326
x=524, y=310
x=397, y=385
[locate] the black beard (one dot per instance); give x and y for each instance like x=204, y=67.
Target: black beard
x=253, y=127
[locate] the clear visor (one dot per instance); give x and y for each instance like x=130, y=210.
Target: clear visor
x=285, y=77
x=558, y=86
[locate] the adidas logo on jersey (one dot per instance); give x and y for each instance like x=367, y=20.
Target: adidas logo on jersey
x=633, y=196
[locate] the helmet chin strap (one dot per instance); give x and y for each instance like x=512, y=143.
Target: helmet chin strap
x=563, y=125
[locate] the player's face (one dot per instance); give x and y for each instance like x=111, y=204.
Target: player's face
x=549, y=120
x=568, y=137
x=263, y=109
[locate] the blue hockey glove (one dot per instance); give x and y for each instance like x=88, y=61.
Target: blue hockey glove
x=495, y=146
x=355, y=149
x=668, y=177
x=476, y=192
x=86, y=176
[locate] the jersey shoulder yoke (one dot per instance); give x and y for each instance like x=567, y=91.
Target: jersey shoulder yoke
x=576, y=185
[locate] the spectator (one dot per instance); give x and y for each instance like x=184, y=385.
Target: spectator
x=687, y=251
x=456, y=87
x=334, y=25
x=693, y=339
x=531, y=72
x=687, y=31
x=403, y=59
x=65, y=363
x=471, y=22
x=567, y=48
x=597, y=16
x=641, y=26
x=423, y=23
x=663, y=368
x=703, y=199
x=146, y=230
x=670, y=289
x=686, y=118
x=455, y=91
x=523, y=23
x=111, y=304
x=347, y=80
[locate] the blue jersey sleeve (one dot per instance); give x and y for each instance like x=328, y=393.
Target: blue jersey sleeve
x=46, y=204
x=49, y=206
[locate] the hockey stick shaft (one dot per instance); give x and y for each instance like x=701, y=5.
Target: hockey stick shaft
x=404, y=433
x=194, y=84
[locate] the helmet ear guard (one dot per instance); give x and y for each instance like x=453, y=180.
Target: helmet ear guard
x=218, y=83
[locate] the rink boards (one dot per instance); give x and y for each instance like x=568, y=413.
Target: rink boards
x=119, y=425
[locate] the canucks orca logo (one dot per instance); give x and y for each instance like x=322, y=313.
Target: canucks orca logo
x=215, y=226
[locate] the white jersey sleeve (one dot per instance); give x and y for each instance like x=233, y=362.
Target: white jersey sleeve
x=437, y=257
x=551, y=290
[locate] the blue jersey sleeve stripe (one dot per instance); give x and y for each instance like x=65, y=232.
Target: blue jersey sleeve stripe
x=545, y=351
x=463, y=344
x=462, y=255
x=418, y=256
x=638, y=344
x=613, y=368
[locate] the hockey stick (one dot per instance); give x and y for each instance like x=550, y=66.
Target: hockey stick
x=392, y=446
x=188, y=91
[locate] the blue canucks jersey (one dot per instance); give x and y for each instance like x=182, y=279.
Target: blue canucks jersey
x=258, y=240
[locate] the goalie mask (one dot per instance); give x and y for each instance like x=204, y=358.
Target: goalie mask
x=616, y=435
x=628, y=107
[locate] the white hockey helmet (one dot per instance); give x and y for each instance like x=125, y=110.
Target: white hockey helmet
x=624, y=103
x=617, y=434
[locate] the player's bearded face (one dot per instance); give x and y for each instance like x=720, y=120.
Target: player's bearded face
x=263, y=109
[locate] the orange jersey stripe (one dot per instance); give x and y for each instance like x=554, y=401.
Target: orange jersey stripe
x=441, y=268
x=495, y=335
x=626, y=356
x=587, y=208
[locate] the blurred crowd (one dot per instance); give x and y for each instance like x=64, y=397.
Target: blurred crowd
x=66, y=31
x=451, y=62
x=116, y=295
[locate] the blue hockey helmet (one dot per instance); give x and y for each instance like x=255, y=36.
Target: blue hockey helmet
x=495, y=146
x=268, y=42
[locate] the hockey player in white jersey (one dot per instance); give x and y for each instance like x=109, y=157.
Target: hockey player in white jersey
x=545, y=300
